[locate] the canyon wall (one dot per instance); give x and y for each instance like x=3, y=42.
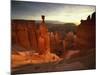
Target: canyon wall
x=24, y=34
x=27, y=34
x=86, y=33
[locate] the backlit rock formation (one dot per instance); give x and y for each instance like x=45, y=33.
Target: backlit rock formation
x=86, y=33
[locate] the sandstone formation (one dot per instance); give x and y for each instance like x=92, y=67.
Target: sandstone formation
x=29, y=36
x=43, y=38
x=24, y=34
x=35, y=43
x=86, y=33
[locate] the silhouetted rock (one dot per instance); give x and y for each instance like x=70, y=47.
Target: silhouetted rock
x=86, y=33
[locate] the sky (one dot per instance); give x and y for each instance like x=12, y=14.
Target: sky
x=66, y=13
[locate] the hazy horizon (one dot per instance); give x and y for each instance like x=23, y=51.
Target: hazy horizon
x=66, y=13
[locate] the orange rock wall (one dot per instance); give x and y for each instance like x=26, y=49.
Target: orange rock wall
x=24, y=34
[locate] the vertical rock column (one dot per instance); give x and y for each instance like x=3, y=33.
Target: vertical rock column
x=13, y=33
x=32, y=35
x=43, y=38
x=22, y=34
x=52, y=41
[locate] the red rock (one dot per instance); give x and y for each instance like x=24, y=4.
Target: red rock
x=43, y=38
x=86, y=33
x=24, y=34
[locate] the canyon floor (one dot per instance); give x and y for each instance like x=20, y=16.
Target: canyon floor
x=79, y=63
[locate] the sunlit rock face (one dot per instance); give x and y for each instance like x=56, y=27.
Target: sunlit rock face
x=86, y=33
x=50, y=57
x=24, y=34
x=26, y=57
x=43, y=38
x=32, y=35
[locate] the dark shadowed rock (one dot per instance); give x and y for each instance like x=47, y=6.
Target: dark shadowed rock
x=86, y=33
